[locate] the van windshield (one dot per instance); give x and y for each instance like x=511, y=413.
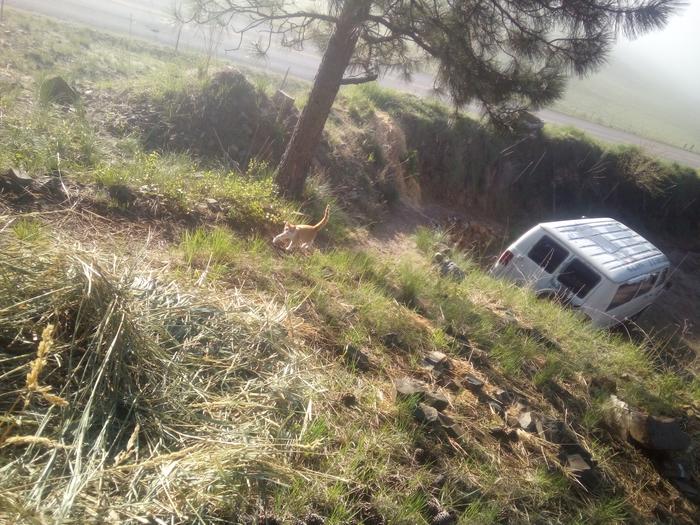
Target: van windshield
x=548, y=254
x=579, y=278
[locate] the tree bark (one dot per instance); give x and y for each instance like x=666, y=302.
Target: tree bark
x=296, y=161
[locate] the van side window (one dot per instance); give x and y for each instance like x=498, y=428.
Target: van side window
x=628, y=291
x=624, y=294
x=547, y=254
x=579, y=278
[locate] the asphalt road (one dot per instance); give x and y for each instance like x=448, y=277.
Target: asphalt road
x=152, y=20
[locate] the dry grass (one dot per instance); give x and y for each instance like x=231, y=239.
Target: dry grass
x=169, y=402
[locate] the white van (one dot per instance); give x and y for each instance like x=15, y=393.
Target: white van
x=599, y=266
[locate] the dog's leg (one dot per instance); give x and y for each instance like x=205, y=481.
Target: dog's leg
x=289, y=246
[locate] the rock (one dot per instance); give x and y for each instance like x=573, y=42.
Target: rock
x=582, y=469
x=439, y=481
x=443, y=518
x=314, y=519
x=407, y=387
x=348, y=399
x=357, y=358
x=503, y=396
x=496, y=408
x=426, y=414
x=213, y=204
x=436, y=358
x=577, y=459
x=56, y=89
x=449, y=427
x=436, y=400
x=123, y=195
x=527, y=421
x=551, y=430
x=504, y=435
x=15, y=180
x=472, y=383
x=649, y=432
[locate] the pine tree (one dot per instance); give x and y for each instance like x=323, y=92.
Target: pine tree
x=506, y=55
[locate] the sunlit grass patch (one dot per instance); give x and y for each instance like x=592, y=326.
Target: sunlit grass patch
x=29, y=229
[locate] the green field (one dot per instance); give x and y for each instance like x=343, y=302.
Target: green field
x=624, y=95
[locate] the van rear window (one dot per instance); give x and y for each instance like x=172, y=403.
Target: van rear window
x=548, y=254
x=579, y=278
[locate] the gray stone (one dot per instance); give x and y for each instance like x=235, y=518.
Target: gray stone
x=213, y=204
x=527, y=421
x=15, y=180
x=426, y=414
x=472, y=383
x=436, y=400
x=408, y=387
x=358, y=358
x=436, y=358
x=650, y=432
x=503, y=396
x=496, y=408
x=443, y=518
x=56, y=89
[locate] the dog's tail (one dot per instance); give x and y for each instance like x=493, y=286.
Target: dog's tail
x=324, y=220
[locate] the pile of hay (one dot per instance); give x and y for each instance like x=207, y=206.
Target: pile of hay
x=123, y=398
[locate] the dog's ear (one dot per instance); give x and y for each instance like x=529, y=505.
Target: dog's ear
x=286, y=224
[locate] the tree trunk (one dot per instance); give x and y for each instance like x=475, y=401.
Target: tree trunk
x=296, y=161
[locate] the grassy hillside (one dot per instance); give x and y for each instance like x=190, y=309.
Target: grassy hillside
x=161, y=362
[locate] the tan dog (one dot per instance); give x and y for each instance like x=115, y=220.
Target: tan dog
x=301, y=235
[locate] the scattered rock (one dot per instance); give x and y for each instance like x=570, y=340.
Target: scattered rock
x=436, y=400
x=213, y=205
x=123, y=195
x=348, y=399
x=426, y=414
x=649, y=432
x=407, y=387
x=503, y=396
x=448, y=268
x=504, y=435
x=551, y=430
x=439, y=481
x=57, y=90
x=314, y=519
x=577, y=460
x=443, y=518
x=15, y=180
x=473, y=384
x=528, y=421
x=449, y=427
x=437, y=359
x=357, y=358
x=496, y=408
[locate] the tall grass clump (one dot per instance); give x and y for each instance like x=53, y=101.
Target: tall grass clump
x=125, y=396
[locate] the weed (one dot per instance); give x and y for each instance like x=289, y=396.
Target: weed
x=29, y=230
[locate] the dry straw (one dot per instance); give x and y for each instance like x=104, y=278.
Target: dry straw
x=151, y=401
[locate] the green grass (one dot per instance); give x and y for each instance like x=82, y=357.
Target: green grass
x=207, y=376
x=612, y=97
